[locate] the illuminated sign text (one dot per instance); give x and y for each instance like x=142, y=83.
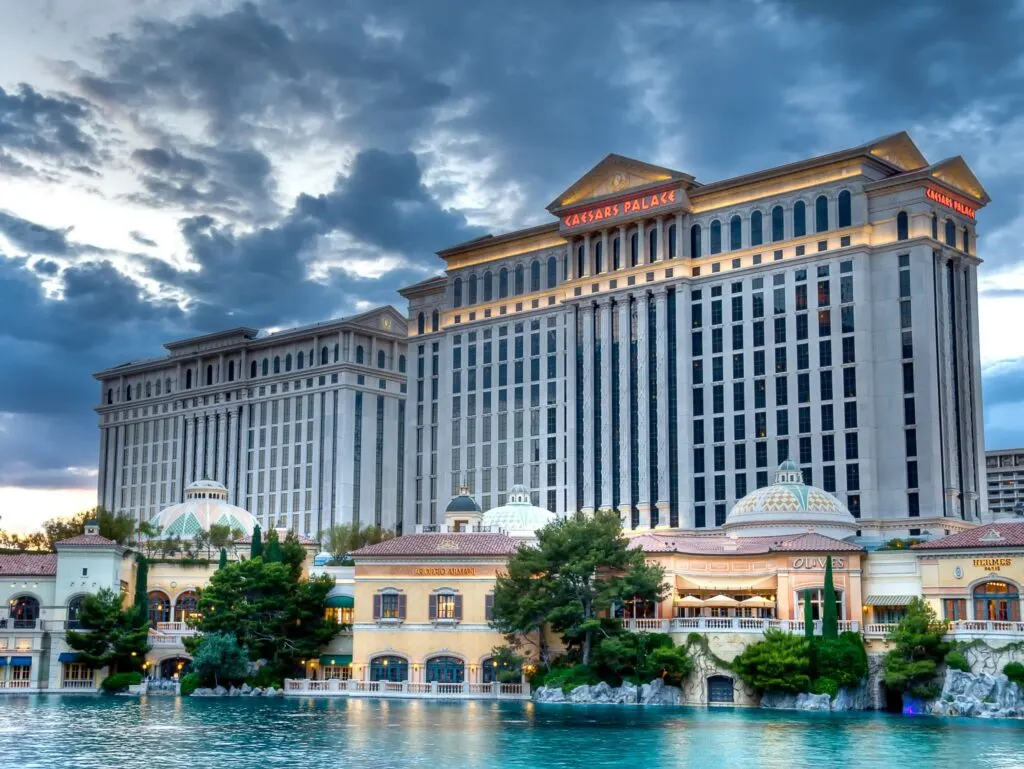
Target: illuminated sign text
x=633, y=205
x=992, y=564
x=445, y=571
x=949, y=202
x=817, y=563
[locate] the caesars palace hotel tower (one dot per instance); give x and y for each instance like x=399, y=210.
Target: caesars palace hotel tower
x=664, y=344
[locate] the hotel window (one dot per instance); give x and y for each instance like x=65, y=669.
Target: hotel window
x=799, y=219
x=616, y=254
x=389, y=605
x=445, y=606
x=845, y=209
x=535, y=273
x=716, y=237
x=849, y=349
x=760, y=454
x=821, y=214
x=519, y=279
x=828, y=448
x=954, y=609
x=634, y=249
x=824, y=322
x=756, y=232
x=735, y=233
x=695, y=243
x=825, y=385
x=902, y=226
x=966, y=241
x=737, y=366
x=652, y=246
x=851, y=446
x=950, y=233
x=778, y=224
x=853, y=477
x=671, y=241
x=849, y=382
x=502, y=283
x=457, y=292
x=739, y=427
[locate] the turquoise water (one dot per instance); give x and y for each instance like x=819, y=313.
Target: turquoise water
x=161, y=732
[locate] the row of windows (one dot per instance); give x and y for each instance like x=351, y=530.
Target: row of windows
x=390, y=604
x=950, y=230
x=482, y=289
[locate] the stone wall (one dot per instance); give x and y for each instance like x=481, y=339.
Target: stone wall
x=990, y=658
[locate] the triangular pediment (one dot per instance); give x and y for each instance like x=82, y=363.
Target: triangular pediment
x=899, y=150
x=955, y=173
x=615, y=175
x=385, y=318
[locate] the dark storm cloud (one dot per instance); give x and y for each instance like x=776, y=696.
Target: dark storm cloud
x=141, y=239
x=1003, y=397
x=33, y=238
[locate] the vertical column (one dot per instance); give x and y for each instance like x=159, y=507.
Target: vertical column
x=189, y=439
x=967, y=394
x=231, y=476
x=623, y=248
x=570, y=263
x=976, y=401
x=641, y=245
x=572, y=493
x=101, y=481
x=202, y=440
x=587, y=319
x=606, y=256
x=588, y=256
x=948, y=413
x=661, y=321
x=607, y=412
x=662, y=251
x=679, y=235
x=220, y=472
x=625, y=428
x=643, y=399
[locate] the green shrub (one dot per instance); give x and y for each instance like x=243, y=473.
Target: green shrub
x=267, y=675
x=1015, y=672
x=918, y=646
x=955, y=660
x=843, y=659
x=825, y=685
x=119, y=682
x=781, y=662
x=188, y=684
x=570, y=677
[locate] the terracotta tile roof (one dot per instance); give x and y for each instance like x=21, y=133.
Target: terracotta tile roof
x=723, y=545
x=441, y=545
x=29, y=565
x=994, y=535
x=85, y=540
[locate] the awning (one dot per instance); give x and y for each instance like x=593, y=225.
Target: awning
x=724, y=582
x=339, y=602
x=758, y=601
x=888, y=600
x=335, y=660
x=690, y=600
x=720, y=601
x=3, y=661
x=20, y=661
x=68, y=657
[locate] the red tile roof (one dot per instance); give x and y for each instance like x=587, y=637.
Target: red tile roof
x=441, y=545
x=994, y=535
x=29, y=565
x=86, y=540
x=723, y=545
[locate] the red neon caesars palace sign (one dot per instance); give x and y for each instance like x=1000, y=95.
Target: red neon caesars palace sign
x=634, y=205
x=949, y=202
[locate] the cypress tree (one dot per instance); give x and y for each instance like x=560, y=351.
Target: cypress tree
x=273, y=552
x=256, y=548
x=829, y=617
x=223, y=558
x=141, y=587
x=808, y=615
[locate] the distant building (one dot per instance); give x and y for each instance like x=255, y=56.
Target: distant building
x=1004, y=472
x=304, y=428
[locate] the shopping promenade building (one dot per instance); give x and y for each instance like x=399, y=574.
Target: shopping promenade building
x=663, y=343
x=305, y=428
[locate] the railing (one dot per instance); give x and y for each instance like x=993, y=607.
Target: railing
x=728, y=625
x=176, y=628
x=420, y=690
x=958, y=628
x=17, y=685
x=80, y=683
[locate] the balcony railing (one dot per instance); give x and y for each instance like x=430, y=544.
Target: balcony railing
x=21, y=684
x=419, y=690
x=727, y=625
x=82, y=683
x=958, y=628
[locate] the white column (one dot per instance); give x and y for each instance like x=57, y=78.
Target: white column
x=964, y=367
x=231, y=476
x=607, y=413
x=189, y=439
x=570, y=262
x=662, y=251
x=587, y=319
x=643, y=411
x=946, y=363
x=641, y=245
x=220, y=472
x=625, y=428
x=623, y=247
x=588, y=256
x=606, y=256
x=679, y=235
x=201, y=443
x=572, y=493
x=101, y=481
x=661, y=322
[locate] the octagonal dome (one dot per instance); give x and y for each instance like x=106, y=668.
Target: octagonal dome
x=790, y=506
x=518, y=517
x=205, y=504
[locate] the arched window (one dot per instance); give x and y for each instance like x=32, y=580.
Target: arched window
x=902, y=226
x=652, y=246
x=252, y=370
x=149, y=390
x=997, y=601
x=671, y=241
x=337, y=352
x=188, y=381
x=388, y=668
x=778, y=226
x=756, y=228
x=209, y=375
x=634, y=249
x=381, y=359
x=266, y=366
x=159, y=607
x=472, y=289
x=457, y=292
x=799, y=219
x=401, y=364
x=157, y=387
x=502, y=284
x=488, y=286
x=128, y=391
x=288, y=362
x=359, y=353
x=966, y=241
x=735, y=233
x=598, y=258
x=821, y=214
x=138, y=387
x=716, y=237
x=695, y=243
x=950, y=233
x=110, y=396
x=581, y=261
x=74, y=609
x=435, y=320
x=520, y=280
x=24, y=611
x=845, y=209
x=231, y=371
x=552, y=272
x=491, y=670
x=277, y=364
x=167, y=385
x=300, y=360
x=935, y=227
x=185, y=606
x=535, y=275
x=421, y=323
x=616, y=254
x=446, y=670
x=324, y=353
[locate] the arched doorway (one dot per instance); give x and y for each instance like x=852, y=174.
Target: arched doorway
x=491, y=670
x=185, y=606
x=24, y=611
x=175, y=666
x=720, y=690
x=997, y=601
x=446, y=670
x=74, y=609
x=388, y=668
x=159, y=607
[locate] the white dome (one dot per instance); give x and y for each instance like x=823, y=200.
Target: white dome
x=206, y=504
x=518, y=516
x=789, y=506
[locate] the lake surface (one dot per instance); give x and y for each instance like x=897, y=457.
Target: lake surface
x=155, y=732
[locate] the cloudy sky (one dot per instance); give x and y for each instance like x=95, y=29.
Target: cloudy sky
x=173, y=167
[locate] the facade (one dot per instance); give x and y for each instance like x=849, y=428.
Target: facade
x=665, y=342
x=1004, y=472
x=304, y=428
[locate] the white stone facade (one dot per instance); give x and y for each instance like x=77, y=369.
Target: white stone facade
x=303, y=427
x=1004, y=471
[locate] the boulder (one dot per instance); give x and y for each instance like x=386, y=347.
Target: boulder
x=219, y=691
x=852, y=699
x=807, y=701
x=778, y=701
x=980, y=695
x=656, y=693
x=601, y=693
x=581, y=695
x=256, y=692
x=625, y=694
x=549, y=694
x=246, y=689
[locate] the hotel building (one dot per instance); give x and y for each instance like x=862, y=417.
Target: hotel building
x=305, y=428
x=664, y=343
x=1004, y=471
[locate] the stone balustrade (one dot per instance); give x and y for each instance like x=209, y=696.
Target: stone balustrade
x=301, y=687
x=727, y=625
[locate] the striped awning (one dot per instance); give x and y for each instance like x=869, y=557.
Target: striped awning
x=888, y=600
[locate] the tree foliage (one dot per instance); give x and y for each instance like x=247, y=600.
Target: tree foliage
x=781, y=662
x=218, y=657
x=911, y=666
x=843, y=659
x=341, y=540
x=111, y=635
x=642, y=657
x=808, y=616
x=272, y=548
x=256, y=545
x=829, y=615
x=120, y=527
x=142, y=587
